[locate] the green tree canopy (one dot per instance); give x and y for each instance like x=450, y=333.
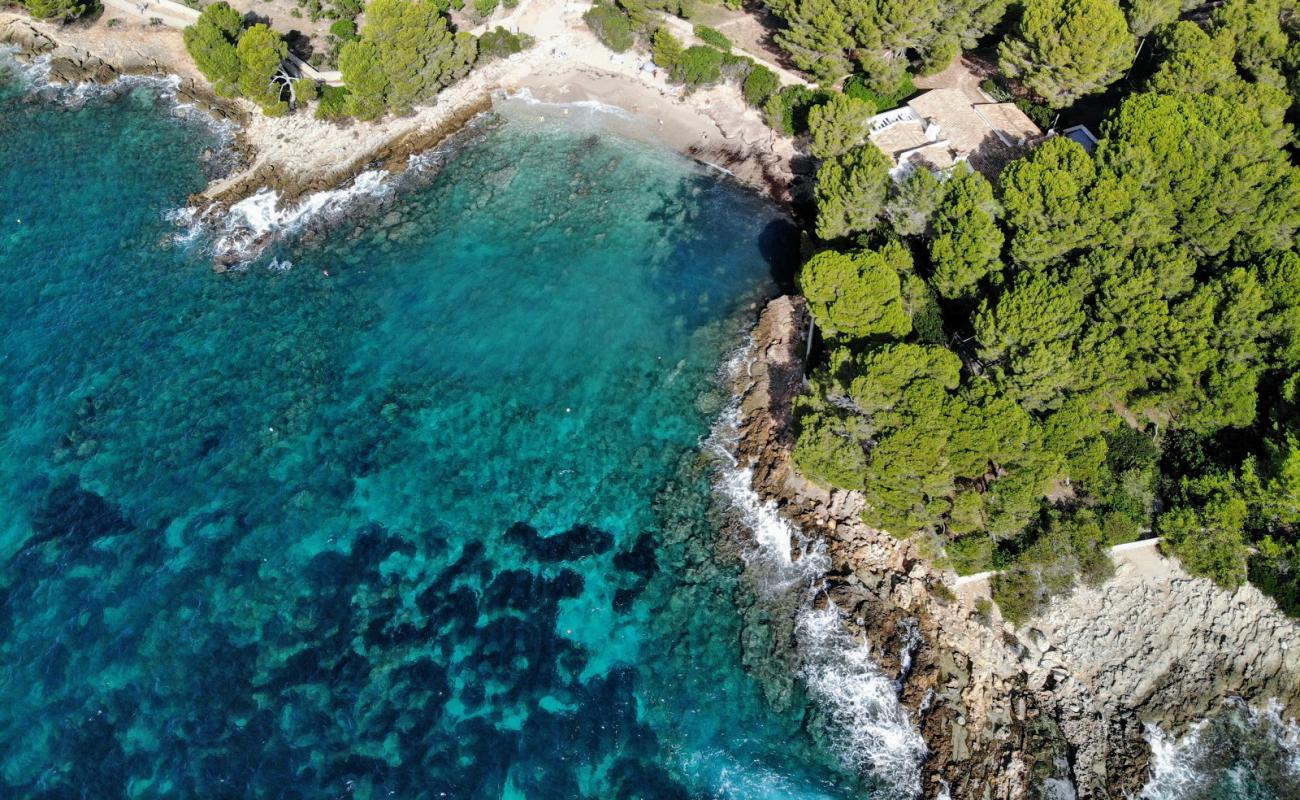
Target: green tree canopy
x=967, y=242
x=1144, y=16
x=1033, y=333
x=1205, y=529
x=211, y=43
x=1067, y=49
x=850, y=191
x=885, y=39
x=858, y=294
x=1057, y=202
x=913, y=202
x=411, y=47
x=1209, y=171
x=838, y=125
x=261, y=52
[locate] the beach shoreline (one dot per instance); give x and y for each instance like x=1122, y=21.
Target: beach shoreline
x=296, y=155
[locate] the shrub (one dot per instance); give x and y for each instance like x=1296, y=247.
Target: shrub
x=699, y=66
x=713, y=37
x=759, y=85
x=1019, y=594
x=611, y=26
x=787, y=110
x=59, y=10
x=971, y=554
x=736, y=67
x=499, y=43
x=484, y=8
x=344, y=29
x=305, y=91
x=333, y=102
x=858, y=88
x=665, y=50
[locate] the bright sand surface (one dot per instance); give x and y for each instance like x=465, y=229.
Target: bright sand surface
x=567, y=64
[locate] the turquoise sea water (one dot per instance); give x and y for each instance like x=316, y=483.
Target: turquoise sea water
x=436, y=524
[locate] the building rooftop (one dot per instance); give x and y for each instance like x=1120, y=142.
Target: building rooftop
x=943, y=127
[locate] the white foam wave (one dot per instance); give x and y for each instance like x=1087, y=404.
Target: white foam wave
x=527, y=97
x=243, y=231
x=34, y=75
x=1173, y=764
x=1181, y=766
x=872, y=728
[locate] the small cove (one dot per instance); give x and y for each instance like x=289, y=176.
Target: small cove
x=438, y=523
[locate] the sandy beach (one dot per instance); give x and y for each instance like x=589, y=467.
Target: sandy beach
x=298, y=154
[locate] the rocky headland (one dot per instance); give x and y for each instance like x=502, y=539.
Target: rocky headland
x=1006, y=711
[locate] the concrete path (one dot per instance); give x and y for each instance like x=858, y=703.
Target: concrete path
x=1143, y=555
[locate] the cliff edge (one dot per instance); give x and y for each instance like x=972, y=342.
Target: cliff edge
x=1005, y=710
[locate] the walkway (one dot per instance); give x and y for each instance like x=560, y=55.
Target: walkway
x=1139, y=553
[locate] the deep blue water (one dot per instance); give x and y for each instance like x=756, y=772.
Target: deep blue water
x=434, y=525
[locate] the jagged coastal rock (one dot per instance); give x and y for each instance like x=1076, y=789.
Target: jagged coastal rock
x=1004, y=710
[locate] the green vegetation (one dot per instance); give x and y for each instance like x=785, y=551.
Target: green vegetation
x=713, y=37
x=838, y=125
x=699, y=65
x=58, y=10
x=500, y=43
x=850, y=192
x=211, y=42
x=885, y=41
x=1034, y=371
x=859, y=88
x=759, y=85
x=1065, y=49
x=239, y=60
x=261, y=52
x=788, y=110
x=611, y=24
x=406, y=54
x=333, y=103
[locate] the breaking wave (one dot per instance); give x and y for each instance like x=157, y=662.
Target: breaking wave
x=1243, y=752
x=872, y=730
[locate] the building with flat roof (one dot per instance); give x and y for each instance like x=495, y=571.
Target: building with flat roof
x=941, y=128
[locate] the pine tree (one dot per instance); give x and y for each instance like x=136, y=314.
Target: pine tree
x=838, y=124
x=1066, y=49
x=261, y=52
x=859, y=294
x=851, y=191
x=211, y=43
x=817, y=39
x=967, y=242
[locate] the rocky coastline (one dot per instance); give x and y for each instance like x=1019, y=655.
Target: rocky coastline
x=1006, y=711
x=297, y=155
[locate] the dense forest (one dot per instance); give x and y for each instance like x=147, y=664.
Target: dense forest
x=1027, y=370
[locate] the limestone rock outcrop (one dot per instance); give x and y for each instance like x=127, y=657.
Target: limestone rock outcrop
x=1004, y=709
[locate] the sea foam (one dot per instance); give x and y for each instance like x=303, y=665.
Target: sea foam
x=873, y=731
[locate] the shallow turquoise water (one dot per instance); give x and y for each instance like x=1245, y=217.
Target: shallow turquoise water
x=434, y=525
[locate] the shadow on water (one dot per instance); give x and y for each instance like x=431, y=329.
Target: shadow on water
x=779, y=244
